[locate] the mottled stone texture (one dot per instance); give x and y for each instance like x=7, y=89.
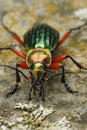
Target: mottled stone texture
x=67, y=110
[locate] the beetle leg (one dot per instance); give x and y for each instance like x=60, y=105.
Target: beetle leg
x=61, y=58
x=32, y=87
x=12, y=33
x=55, y=65
x=18, y=79
x=68, y=88
x=30, y=92
x=23, y=65
x=19, y=53
x=58, y=66
x=67, y=34
x=76, y=63
x=42, y=90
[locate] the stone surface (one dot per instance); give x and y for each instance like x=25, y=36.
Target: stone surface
x=83, y=114
x=61, y=110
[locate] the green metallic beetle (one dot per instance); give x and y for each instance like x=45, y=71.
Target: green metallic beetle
x=40, y=41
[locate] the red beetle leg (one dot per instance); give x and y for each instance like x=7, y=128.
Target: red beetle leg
x=67, y=34
x=55, y=61
x=59, y=58
x=55, y=66
x=64, y=38
x=19, y=53
x=18, y=38
x=13, y=34
x=23, y=65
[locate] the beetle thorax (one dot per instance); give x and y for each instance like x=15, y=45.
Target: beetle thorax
x=40, y=55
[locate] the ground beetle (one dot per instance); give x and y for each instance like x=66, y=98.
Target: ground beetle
x=39, y=42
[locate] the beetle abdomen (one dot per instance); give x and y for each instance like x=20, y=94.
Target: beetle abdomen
x=41, y=36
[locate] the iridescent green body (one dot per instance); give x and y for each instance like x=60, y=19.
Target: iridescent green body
x=41, y=36
x=40, y=41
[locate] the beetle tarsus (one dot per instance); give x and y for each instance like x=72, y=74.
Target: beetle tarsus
x=70, y=90
x=79, y=27
x=13, y=90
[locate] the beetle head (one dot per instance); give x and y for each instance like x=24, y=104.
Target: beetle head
x=38, y=71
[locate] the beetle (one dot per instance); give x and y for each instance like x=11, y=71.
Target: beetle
x=40, y=41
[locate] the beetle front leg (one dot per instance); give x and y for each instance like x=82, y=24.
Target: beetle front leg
x=42, y=90
x=22, y=65
x=30, y=91
x=18, y=79
x=41, y=93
